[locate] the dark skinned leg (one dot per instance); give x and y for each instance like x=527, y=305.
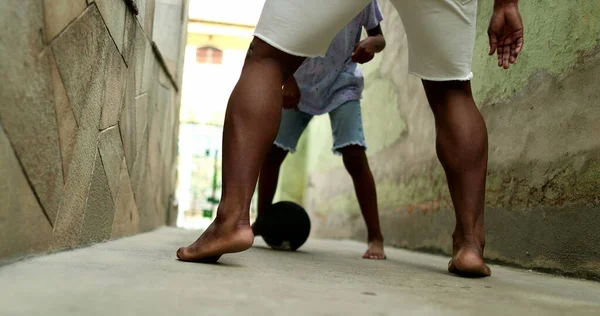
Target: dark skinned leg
x=267, y=183
x=357, y=165
x=251, y=124
x=462, y=148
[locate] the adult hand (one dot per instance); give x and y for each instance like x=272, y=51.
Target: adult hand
x=506, y=32
x=291, y=94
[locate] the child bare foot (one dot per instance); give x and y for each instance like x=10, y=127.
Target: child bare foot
x=375, y=250
x=220, y=238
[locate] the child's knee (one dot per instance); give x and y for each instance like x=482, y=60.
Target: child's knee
x=355, y=159
x=276, y=155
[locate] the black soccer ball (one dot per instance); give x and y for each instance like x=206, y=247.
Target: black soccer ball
x=285, y=226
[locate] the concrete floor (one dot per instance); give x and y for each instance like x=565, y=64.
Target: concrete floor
x=140, y=276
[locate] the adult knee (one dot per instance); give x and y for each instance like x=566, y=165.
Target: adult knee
x=443, y=94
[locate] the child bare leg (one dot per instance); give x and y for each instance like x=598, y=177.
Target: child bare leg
x=357, y=165
x=267, y=183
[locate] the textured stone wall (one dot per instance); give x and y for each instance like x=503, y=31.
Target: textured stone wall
x=543, y=117
x=88, y=123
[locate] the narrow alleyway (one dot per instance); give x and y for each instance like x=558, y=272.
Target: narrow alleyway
x=140, y=276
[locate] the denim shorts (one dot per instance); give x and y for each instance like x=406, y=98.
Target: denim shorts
x=346, y=127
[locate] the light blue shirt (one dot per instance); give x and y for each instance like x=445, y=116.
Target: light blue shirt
x=327, y=82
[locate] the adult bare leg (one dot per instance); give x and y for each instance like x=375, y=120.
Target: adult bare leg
x=251, y=123
x=462, y=148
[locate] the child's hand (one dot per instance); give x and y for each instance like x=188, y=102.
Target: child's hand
x=364, y=51
x=291, y=94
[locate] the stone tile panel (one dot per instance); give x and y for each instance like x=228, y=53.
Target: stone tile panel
x=113, y=13
x=27, y=110
x=81, y=54
x=139, y=54
x=24, y=228
x=99, y=209
x=148, y=68
x=71, y=212
x=129, y=35
x=67, y=125
x=141, y=118
x=111, y=151
x=58, y=14
x=127, y=121
x=127, y=219
x=146, y=17
x=115, y=88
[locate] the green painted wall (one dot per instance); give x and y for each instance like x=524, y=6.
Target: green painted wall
x=558, y=35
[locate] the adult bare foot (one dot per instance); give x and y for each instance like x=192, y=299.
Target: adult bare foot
x=467, y=259
x=218, y=239
x=375, y=250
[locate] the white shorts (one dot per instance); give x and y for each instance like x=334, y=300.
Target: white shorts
x=440, y=33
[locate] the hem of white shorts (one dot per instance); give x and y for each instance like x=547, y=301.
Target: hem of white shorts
x=283, y=49
x=336, y=149
x=288, y=149
x=467, y=78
